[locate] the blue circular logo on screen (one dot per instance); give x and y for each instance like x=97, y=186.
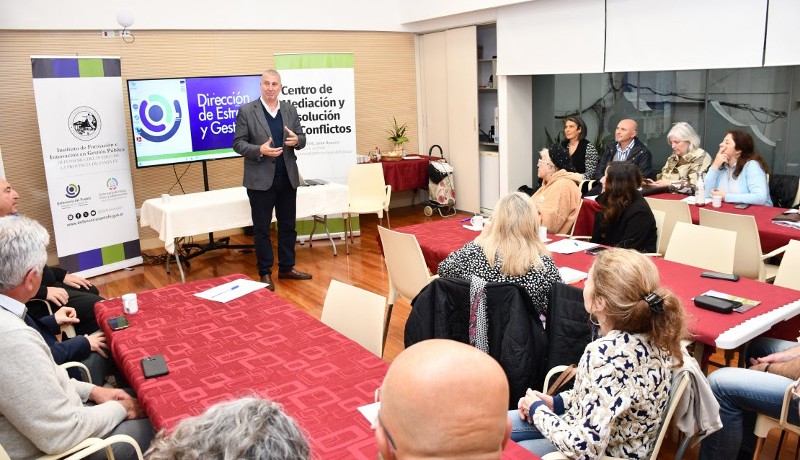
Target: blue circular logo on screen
x=160, y=119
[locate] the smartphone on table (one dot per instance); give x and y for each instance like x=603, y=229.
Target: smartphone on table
x=154, y=366
x=118, y=322
x=742, y=206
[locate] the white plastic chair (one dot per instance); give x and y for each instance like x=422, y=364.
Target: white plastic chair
x=674, y=211
x=704, y=247
x=406, y=267
x=765, y=423
x=788, y=274
x=660, y=217
x=87, y=447
x=355, y=313
x=367, y=193
x=748, y=260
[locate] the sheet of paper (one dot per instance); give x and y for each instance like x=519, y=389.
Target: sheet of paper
x=570, y=275
x=690, y=199
x=568, y=246
x=412, y=157
x=370, y=411
x=232, y=290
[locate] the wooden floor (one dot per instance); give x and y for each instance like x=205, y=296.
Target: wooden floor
x=363, y=268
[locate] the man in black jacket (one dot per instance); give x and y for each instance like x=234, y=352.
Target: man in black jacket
x=58, y=287
x=627, y=147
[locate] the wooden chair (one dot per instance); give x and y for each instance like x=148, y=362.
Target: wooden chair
x=675, y=397
x=87, y=447
x=355, y=313
x=406, y=267
x=765, y=423
x=704, y=247
x=788, y=274
x=367, y=194
x=674, y=211
x=748, y=260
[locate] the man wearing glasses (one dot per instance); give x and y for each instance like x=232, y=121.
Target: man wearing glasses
x=443, y=399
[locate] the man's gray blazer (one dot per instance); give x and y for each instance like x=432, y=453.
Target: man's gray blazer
x=252, y=131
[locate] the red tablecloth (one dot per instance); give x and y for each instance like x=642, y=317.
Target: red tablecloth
x=257, y=343
x=772, y=235
x=438, y=239
x=406, y=174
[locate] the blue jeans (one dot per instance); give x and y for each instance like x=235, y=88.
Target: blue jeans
x=528, y=436
x=742, y=394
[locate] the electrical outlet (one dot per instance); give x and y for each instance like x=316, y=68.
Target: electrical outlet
x=125, y=33
x=108, y=33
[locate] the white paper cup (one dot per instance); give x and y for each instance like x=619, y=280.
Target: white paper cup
x=716, y=201
x=476, y=221
x=130, y=305
x=542, y=233
x=165, y=198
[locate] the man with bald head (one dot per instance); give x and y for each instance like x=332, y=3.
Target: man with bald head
x=443, y=399
x=627, y=147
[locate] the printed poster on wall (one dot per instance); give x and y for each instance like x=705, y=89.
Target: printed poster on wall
x=322, y=87
x=80, y=108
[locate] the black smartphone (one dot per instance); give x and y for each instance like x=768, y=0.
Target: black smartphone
x=595, y=250
x=118, y=322
x=742, y=206
x=154, y=366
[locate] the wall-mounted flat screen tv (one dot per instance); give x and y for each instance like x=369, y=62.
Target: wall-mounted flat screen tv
x=181, y=120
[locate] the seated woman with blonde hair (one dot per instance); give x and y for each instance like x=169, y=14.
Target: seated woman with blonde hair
x=623, y=378
x=508, y=249
x=559, y=197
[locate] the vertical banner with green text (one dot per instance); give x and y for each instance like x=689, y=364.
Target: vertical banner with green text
x=80, y=108
x=322, y=87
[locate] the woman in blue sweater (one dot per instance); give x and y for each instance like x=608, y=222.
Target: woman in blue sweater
x=738, y=174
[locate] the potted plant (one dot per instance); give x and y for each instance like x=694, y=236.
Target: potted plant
x=397, y=134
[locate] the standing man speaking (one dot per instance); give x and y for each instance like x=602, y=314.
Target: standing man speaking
x=268, y=132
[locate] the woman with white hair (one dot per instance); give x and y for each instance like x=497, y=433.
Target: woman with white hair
x=508, y=250
x=686, y=162
x=559, y=197
x=243, y=429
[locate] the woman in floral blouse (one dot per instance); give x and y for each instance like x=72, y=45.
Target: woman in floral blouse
x=508, y=249
x=623, y=378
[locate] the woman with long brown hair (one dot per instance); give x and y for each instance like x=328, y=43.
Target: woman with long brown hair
x=738, y=174
x=626, y=220
x=623, y=378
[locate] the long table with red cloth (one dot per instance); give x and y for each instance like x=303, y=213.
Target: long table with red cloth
x=259, y=343
x=439, y=238
x=773, y=236
x=406, y=174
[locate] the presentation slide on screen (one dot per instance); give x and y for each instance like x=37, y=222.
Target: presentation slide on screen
x=178, y=120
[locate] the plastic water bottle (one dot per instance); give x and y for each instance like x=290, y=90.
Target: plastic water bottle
x=700, y=191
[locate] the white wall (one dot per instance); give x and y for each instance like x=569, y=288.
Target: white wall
x=381, y=15
x=549, y=37
x=545, y=37
x=684, y=34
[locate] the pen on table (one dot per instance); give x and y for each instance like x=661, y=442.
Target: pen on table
x=467, y=219
x=223, y=292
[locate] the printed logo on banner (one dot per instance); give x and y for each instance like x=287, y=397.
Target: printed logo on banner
x=84, y=123
x=160, y=122
x=73, y=190
x=112, y=183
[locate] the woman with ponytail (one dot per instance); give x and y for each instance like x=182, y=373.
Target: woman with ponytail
x=623, y=378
